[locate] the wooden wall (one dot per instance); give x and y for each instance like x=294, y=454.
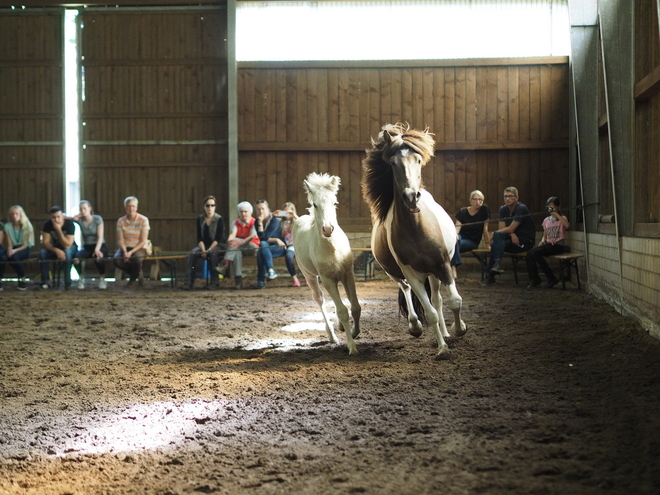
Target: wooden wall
x=155, y=114
x=31, y=139
x=496, y=123
x=647, y=114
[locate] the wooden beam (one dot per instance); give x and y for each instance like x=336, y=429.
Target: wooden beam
x=361, y=146
x=379, y=64
x=648, y=86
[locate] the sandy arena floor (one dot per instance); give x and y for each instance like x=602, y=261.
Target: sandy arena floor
x=160, y=391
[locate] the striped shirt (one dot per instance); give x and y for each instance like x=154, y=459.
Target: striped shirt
x=132, y=229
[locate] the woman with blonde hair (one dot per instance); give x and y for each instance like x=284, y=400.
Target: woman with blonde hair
x=289, y=215
x=471, y=226
x=20, y=240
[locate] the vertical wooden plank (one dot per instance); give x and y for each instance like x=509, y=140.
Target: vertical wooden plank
x=460, y=131
x=344, y=104
x=513, y=110
x=470, y=104
x=334, y=108
x=535, y=115
x=439, y=118
x=418, y=118
x=322, y=134
x=545, y=102
x=375, y=110
x=482, y=103
x=312, y=105
x=406, y=96
x=450, y=105
x=524, y=104
x=386, y=116
x=301, y=105
x=502, y=118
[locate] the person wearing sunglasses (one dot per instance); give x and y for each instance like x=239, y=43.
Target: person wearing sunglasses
x=471, y=225
x=516, y=233
x=210, y=243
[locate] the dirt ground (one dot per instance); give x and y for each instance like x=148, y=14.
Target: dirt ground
x=158, y=391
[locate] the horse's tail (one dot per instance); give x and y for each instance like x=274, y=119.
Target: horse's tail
x=416, y=303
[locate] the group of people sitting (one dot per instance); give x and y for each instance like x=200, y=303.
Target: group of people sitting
x=516, y=233
x=266, y=234
x=58, y=244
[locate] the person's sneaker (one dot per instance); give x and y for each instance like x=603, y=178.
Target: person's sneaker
x=45, y=286
x=81, y=284
x=272, y=274
x=488, y=281
x=534, y=283
x=497, y=268
x=103, y=284
x=296, y=283
x=259, y=285
x=551, y=283
x=22, y=285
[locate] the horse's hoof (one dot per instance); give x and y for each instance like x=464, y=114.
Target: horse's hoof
x=462, y=331
x=443, y=354
x=355, y=333
x=353, y=351
x=415, y=330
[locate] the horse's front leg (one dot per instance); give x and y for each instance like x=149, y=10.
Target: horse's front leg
x=436, y=300
x=435, y=320
x=458, y=328
x=415, y=327
x=351, y=293
x=319, y=298
x=342, y=313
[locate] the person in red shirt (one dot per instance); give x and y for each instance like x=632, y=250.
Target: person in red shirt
x=242, y=240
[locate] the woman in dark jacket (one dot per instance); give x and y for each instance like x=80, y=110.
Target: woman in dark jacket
x=211, y=243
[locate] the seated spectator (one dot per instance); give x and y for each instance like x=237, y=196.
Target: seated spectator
x=515, y=234
x=553, y=242
x=93, y=243
x=242, y=240
x=288, y=215
x=57, y=239
x=210, y=242
x=471, y=225
x=271, y=244
x=132, y=239
x=20, y=239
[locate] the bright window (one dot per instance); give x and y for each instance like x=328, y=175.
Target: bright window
x=401, y=30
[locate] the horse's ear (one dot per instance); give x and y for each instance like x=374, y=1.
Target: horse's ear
x=335, y=182
x=306, y=185
x=387, y=137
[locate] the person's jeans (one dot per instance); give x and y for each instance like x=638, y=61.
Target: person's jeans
x=462, y=246
x=45, y=256
x=501, y=244
x=536, y=256
x=290, y=264
x=88, y=252
x=17, y=262
x=265, y=257
x=3, y=262
x=133, y=266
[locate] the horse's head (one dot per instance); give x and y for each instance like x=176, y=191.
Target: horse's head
x=322, y=196
x=403, y=152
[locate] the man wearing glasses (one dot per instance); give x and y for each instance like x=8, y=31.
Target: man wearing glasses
x=516, y=233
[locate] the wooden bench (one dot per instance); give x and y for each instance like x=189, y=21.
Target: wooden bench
x=566, y=260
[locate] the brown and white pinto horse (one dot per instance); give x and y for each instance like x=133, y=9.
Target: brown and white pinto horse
x=412, y=238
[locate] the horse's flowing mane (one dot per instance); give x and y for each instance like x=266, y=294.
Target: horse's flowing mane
x=377, y=177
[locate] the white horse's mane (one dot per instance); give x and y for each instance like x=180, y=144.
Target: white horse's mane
x=322, y=181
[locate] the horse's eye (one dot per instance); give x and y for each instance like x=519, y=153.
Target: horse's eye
x=314, y=205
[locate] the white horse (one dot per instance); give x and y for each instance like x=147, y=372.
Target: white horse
x=323, y=251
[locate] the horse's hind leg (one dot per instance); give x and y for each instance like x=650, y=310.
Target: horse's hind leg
x=458, y=328
x=342, y=313
x=319, y=298
x=351, y=293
